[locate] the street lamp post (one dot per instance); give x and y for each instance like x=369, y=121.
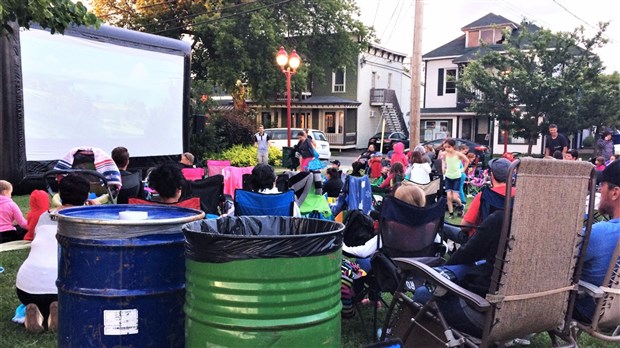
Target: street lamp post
x=288, y=65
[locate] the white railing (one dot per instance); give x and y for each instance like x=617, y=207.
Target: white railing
x=335, y=138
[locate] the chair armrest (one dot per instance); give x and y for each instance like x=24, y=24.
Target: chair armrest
x=427, y=272
x=590, y=289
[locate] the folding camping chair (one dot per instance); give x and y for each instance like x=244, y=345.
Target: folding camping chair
x=193, y=174
x=605, y=323
x=210, y=191
x=357, y=194
x=233, y=178
x=433, y=190
x=132, y=186
x=193, y=202
x=536, y=268
x=215, y=167
x=405, y=231
x=254, y=203
x=95, y=165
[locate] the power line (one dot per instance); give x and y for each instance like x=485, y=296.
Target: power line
x=376, y=11
x=224, y=17
x=574, y=15
x=110, y=14
x=390, y=21
x=193, y=15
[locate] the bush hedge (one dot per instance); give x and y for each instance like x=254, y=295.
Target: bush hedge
x=246, y=156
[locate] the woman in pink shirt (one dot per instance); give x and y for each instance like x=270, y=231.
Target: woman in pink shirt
x=9, y=215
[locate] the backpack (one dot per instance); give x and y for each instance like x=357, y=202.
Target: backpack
x=359, y=228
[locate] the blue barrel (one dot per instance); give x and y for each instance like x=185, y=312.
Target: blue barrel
x=121, y=275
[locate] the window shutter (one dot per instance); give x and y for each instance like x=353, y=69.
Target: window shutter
x=440, y=82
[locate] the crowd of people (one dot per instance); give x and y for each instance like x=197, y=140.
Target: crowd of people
x=396, y=173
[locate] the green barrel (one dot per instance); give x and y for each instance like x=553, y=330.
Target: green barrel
x=276, y=288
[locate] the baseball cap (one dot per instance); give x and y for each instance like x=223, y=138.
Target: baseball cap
x=499, y=168
x=336, y=162
x=611, y=174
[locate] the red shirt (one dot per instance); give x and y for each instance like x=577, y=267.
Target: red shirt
x=472, y=216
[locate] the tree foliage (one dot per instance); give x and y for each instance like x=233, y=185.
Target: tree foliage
x=539, y=75
x=56, y=15
x=237, y=40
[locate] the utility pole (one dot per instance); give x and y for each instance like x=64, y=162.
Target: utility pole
x=416, y=67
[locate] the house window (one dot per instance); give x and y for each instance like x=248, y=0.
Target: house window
x=338, y=80
x=435, y=129
x=486, y=36
x=450, y=81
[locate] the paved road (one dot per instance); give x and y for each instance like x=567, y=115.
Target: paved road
x=346, y=157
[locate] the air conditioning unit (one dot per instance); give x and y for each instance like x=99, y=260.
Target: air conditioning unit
x=372, y=113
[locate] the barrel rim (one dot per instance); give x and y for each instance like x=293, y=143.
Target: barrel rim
x=61, y=215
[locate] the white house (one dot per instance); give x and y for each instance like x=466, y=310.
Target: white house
x=443, y=111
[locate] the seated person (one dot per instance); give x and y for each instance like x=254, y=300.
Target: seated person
x=398, y=156
x=361, y=161
x=419, y=171
x=36, y=278
x=603, y=240
x=396, y=176
x=375, y=164
x=499, y=174
x=471, y=266
x=263, y=180
x=13, y=225
x=333, y=185
x=407, y=193
x=187, y=160
x=168, y=181
x=132, y=182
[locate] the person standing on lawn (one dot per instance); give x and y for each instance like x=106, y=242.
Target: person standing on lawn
x=454, y=164
x=261, y=141
x=605, y=146
x=555, y=141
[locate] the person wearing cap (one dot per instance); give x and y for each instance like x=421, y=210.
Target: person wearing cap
x=335, y=164
x=603, y=239
x=498, y=168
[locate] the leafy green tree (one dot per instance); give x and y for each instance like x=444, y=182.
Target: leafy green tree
x=237, y=40
x=537, y=76
x=56, y=15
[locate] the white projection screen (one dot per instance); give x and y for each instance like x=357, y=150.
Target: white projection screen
x=87, y=92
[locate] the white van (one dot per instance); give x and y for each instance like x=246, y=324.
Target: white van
x=279, y=140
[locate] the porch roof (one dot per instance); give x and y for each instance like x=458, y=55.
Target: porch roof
x=319, y=102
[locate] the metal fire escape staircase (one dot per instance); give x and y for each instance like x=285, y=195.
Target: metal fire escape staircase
x=390, y=111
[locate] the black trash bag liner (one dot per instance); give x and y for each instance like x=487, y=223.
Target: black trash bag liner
x=233, y=238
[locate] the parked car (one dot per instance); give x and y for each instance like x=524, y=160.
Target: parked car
x=483, y=153
x=389, y=139
x=279, y=140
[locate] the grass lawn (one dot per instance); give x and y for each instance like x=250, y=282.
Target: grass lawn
x=14, y=335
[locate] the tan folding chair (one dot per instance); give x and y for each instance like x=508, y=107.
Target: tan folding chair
x=605, y=323
x=536, y=269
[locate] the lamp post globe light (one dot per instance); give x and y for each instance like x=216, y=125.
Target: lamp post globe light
x=288, y=65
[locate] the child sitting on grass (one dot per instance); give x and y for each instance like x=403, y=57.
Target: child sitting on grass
x=13, y=225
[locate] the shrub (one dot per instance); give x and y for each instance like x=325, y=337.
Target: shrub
x=222, y=131
x=588, y=141
x=246, y=156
